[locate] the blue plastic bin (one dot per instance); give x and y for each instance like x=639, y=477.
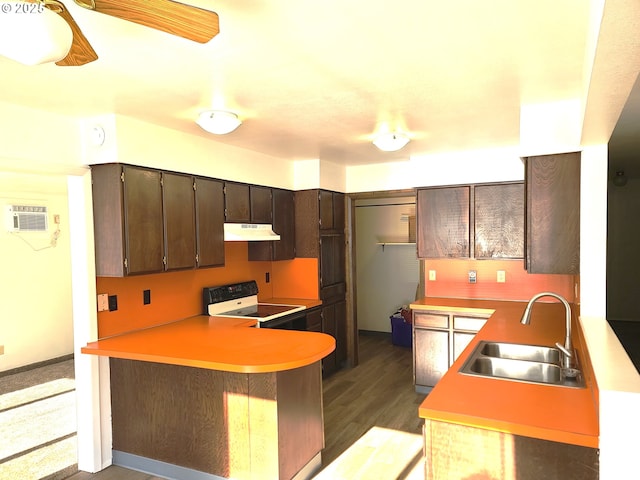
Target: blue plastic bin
x=401, y=332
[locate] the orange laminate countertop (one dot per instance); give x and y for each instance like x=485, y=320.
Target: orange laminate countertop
x=225, y=344
x=567, y=415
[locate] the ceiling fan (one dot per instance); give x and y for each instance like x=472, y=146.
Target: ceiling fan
x=176, y=18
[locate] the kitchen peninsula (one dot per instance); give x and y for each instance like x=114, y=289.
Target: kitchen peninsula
x=508, y=429
x=213, y=398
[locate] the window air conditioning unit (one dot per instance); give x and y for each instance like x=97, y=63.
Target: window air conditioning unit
x=26, y=218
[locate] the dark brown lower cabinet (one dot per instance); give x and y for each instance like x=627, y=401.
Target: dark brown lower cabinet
x=220, y=424
x=334, y=324
x=459, y=452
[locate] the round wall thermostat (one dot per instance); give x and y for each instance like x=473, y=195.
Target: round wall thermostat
x=97, y=135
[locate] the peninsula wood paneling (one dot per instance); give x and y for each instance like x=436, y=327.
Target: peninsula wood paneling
x=157, y=408
x=233, y=425
x=458, y=452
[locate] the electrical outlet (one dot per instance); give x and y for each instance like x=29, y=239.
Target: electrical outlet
x=146, y=297
x=113, y=303
x=432, y=275
x=103, y=302
x=472, y=276
x=501, y=276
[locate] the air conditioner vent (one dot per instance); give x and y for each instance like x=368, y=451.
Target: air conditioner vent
x=26, y=218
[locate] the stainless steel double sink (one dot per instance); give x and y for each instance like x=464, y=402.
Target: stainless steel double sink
x=521, y=363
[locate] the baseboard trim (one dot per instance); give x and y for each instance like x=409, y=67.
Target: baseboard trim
x=176, y=472
x=159, y=468
x=31, y=366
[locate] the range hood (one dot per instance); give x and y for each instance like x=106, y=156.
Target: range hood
x=249, y=232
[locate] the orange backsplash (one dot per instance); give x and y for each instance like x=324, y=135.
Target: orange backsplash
x=177, y=295
x=452, y=280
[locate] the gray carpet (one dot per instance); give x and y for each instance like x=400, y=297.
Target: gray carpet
x=38, y=423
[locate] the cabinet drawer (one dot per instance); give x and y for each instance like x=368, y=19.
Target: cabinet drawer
x=431, y=320
x=468, y=323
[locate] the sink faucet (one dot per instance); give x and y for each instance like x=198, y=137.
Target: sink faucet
x=566, y=349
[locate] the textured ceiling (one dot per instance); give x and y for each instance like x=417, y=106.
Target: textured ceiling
x=319, y=79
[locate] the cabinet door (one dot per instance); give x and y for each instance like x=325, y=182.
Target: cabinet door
x=179, y=221
x=237, y=204
x=338, y=211
x=443, y=222
x=341, y=333
x=314, y=320
x=499, y=221
x=260, y=204
x=329, y=363
x=552, y=232
x=108, y=220
x=332, y=260
x=460, y=342
x=284, y=224
x=209, y=222
x=144, y=234
x=325, y=199
x=431, y=355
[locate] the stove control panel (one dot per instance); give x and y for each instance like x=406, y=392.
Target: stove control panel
x=224, y=293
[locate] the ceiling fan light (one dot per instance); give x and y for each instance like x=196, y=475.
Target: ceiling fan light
x=391, y=141
x=219, y=122
x=32, y=34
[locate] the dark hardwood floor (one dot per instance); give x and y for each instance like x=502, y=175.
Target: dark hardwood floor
x=379, y=392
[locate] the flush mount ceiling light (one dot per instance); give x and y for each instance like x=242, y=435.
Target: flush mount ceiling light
x=219, y=122
x=391, y=141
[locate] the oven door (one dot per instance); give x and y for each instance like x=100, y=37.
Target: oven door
x=293, y=321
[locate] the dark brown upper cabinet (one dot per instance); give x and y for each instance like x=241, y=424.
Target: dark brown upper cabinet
x=237, y=203
x=261, y=208
x=128, y=220
x=499, y=221
x=149, y=221
x=443, y=220
x=179, y=220
x=552, y=184
x=484, y=221
x=209, y=203
x=247, y=203
x=283, y=207
x=332, y=210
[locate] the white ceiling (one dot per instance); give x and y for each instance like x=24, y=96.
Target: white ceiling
x=317, y=79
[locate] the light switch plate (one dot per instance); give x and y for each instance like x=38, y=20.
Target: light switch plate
x=432, y=275
x=103, y=302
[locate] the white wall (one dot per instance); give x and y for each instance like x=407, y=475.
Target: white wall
x=388, y=277
x=618, y=380
x=35, y=285
x=474, y=166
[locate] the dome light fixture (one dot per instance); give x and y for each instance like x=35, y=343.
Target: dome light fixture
x=219, y=122
x=391, y=141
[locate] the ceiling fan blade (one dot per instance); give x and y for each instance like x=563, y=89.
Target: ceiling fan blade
x=176, y=18
x=81, y=51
